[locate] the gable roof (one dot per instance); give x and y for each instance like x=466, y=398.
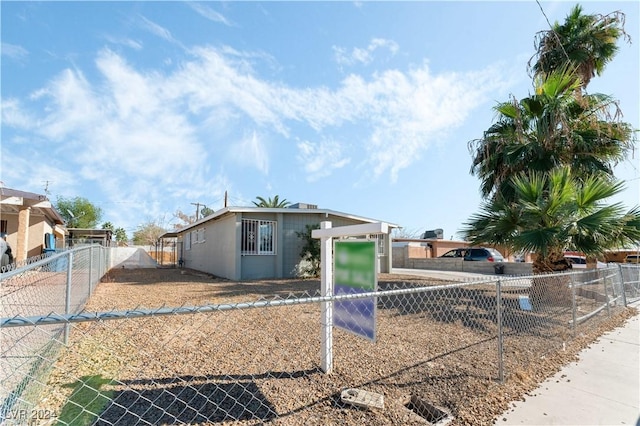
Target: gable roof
x=286, y=210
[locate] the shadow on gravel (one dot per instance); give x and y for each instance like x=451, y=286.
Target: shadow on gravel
x=186, y=402
x=194, y=399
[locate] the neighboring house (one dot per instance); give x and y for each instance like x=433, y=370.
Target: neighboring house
x=31, y=222
x=241, y=243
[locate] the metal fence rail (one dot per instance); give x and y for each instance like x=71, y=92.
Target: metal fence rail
x=258, y=361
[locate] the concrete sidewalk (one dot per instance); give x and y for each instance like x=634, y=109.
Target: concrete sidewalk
x=602, y=388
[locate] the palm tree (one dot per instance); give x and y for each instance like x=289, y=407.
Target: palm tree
x=273, y=203
x=555, y=212
x=549, y=129
x=586, y=42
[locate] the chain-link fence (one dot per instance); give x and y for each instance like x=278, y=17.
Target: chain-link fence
x=439, y=347
x=631, y=279
x=57, y=282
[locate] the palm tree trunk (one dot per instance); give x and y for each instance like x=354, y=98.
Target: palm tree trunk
x=551, y=290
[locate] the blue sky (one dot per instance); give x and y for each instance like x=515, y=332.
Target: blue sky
x=360, y=107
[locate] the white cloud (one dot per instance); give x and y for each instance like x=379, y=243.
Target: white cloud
x=251, y=151
x=133, y=44
x=363, y=56
x=13, y=51
x=320, y=159
x=14, y=115
x=124, y=133
x=18, y=172
x=156, y=29
x=411, y=109
x=209, y=13
x=146, y=135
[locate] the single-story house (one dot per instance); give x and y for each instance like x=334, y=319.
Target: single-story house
x=241, y=243
x=31, y=223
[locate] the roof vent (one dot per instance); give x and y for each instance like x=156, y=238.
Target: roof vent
x=303, y=206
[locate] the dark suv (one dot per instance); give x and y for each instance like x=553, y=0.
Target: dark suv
x=475, y=253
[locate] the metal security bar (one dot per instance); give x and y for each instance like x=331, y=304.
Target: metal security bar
x=258, y=236
x=243, y=362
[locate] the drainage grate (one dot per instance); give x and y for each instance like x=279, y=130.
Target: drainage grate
x=434, y=415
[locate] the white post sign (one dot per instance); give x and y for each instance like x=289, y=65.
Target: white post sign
x=326, y=234
x=355, y=272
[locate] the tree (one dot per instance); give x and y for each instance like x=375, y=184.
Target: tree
x=120, y=235
x=184, y=219
x=79, y=212
x=406, y=233
x=549, y=129
x=274, y=203
x=147, y=233
x=309, y=265
x=584, y=42
x=554, y=212
x=206, y=211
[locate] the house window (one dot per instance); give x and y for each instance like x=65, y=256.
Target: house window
x=258, y=236
x=187, y=241
x=201, y=235
x=3, y=226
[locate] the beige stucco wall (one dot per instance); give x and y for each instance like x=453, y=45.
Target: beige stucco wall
x=28, y=241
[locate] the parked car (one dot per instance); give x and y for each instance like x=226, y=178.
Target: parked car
x=632, y=258
x=577, y=261
x=475, y=254
x=459, y=252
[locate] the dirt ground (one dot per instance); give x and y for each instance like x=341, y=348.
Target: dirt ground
x=250, y=365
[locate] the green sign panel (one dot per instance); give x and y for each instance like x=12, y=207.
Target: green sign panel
x=355, y=272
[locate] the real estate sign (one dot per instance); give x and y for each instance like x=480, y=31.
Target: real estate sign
x=355, y=272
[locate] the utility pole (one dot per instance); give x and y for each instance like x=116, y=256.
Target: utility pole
x=197, y=209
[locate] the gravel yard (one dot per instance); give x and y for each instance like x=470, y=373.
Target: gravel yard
x=249, y=366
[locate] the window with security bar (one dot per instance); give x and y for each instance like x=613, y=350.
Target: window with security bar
x=258, y=236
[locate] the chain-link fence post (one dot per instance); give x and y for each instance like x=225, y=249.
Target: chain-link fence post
x=574, y=305
x=622, y=285
x=67, y=301
x=606, y=293
x=90, y=270
x=500, y=332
